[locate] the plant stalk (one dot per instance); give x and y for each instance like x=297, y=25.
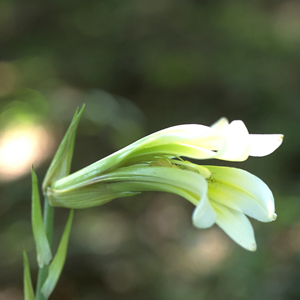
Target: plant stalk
x=48, y=225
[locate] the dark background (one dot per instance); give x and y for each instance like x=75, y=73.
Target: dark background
x=140, y=66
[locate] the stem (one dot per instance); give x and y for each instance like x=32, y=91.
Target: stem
x=48, y=225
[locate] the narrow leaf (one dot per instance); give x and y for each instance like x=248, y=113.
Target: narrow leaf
x=58, y=262
x=61, y=163
x=41, y=242
x=28, y=289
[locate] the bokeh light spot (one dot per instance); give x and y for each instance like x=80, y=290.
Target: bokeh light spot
x=21, y=147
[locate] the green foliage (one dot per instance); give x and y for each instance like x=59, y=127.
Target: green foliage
x=41, y=242
x=61, y=163
x=28, y=289
x=58, y=262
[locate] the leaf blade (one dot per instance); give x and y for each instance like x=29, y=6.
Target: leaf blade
x=57, y=264
x=61, y=163
x=43, y=250
x=28, y=289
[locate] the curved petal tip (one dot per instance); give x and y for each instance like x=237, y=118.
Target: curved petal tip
x=264, y=144
x=274, y=216
x=252, y=247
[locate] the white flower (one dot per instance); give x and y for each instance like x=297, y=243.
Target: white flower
x=221, y=195
x=233, y=193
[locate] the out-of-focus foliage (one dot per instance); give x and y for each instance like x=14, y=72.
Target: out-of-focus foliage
x=140, y=66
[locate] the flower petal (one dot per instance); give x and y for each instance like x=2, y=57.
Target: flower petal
x=191, y=140
x=213, y=139
x=237, y=142
x=204, y=215
x=127, y=181
x=171, y=150
x=264, y=144
x=236, y=225
x=242, y=191
x=174, y=134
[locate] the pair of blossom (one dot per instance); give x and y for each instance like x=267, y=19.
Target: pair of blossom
x=221, y=195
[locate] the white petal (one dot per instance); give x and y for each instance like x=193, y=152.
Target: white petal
x=191, y=151
x=237, y=142
x=264, y=144
x=236, y=225
x=241, y=191
x=183, y=140
x=191, y=140
x=204, y=215
x=174, y=134
x=220, y=124
x=214, y=139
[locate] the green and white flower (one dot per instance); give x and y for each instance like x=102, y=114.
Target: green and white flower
x=222, y=140
x=221, y=195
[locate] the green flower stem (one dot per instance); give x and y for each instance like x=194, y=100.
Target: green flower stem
x=48, y=225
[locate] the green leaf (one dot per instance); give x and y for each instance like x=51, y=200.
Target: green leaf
x=43, y=250
x=61, y=163
x=58, y=262
x=28, y=289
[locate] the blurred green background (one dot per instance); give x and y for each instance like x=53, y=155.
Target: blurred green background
x=140, y=66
